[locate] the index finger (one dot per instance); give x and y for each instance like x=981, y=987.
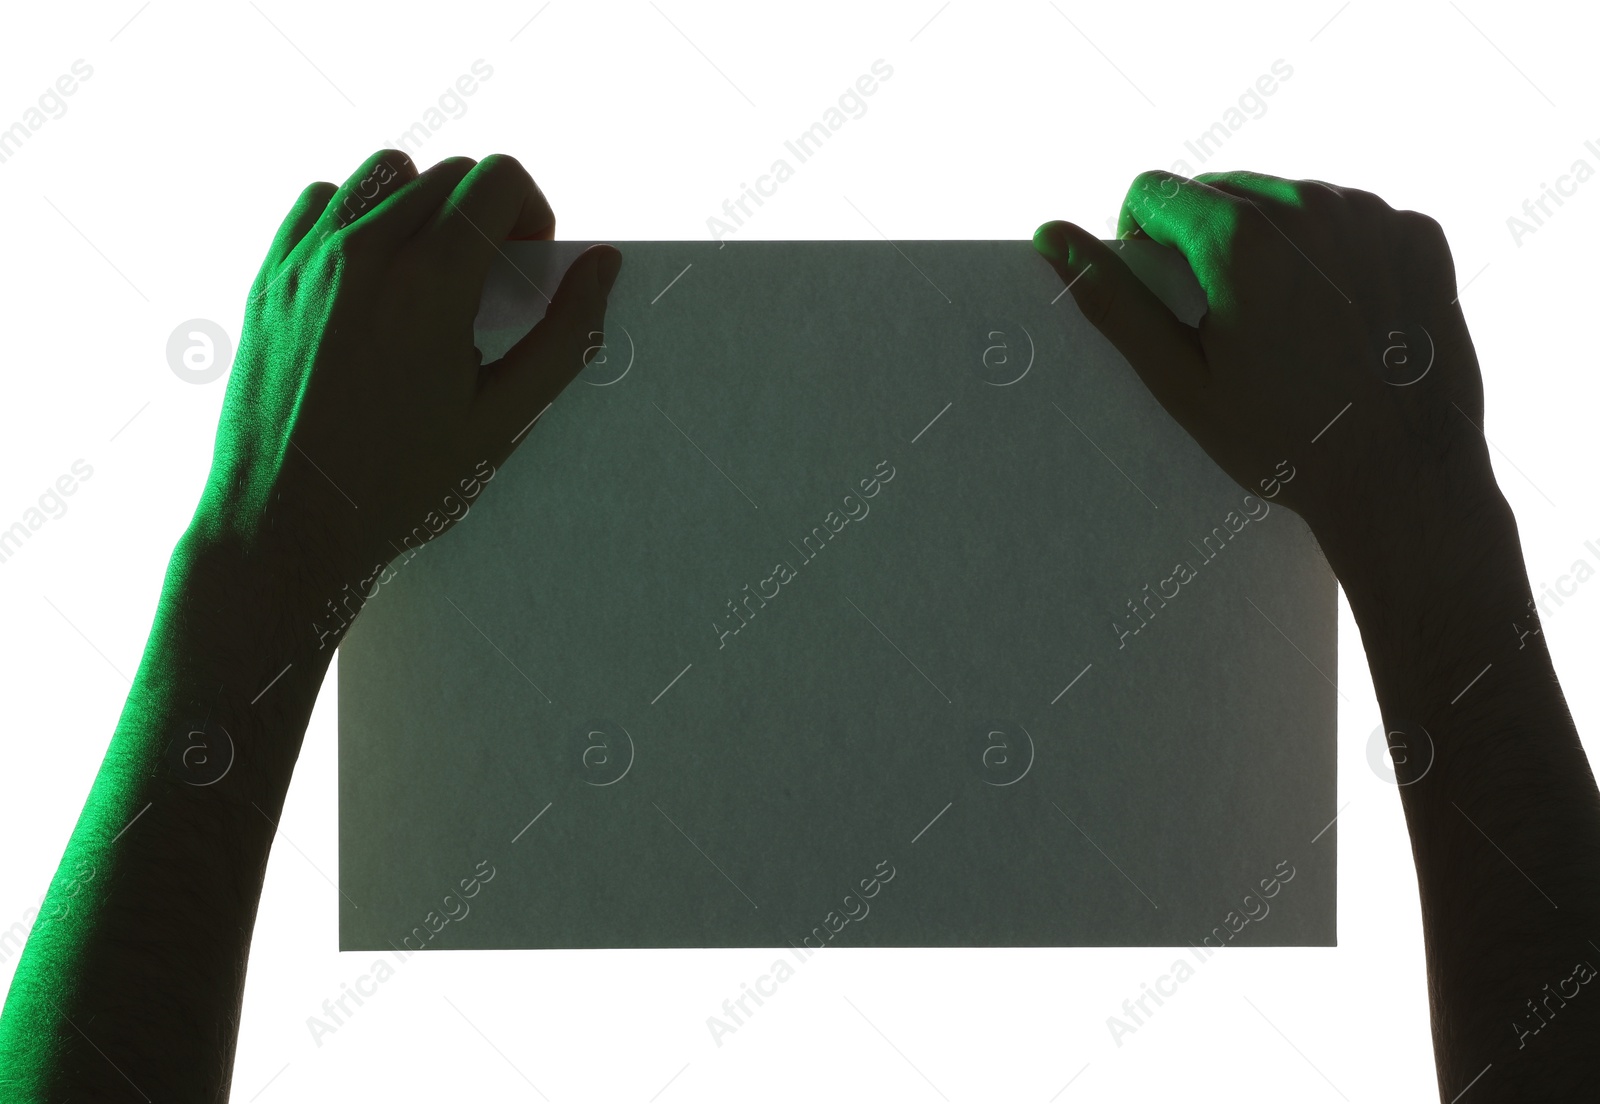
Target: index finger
x=495, y=201
x=1188, y=215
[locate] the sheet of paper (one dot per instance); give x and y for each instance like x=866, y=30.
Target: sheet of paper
x=857, y=594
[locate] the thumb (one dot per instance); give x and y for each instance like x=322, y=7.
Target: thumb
x=516, y=389
x=1163, y=350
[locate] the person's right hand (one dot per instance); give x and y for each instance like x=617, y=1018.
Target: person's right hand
x=359, y=411
x=1332, y=340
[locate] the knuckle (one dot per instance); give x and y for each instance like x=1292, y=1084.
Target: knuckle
x=1365, y=205
x=1371, y=199
x=1305, y=192
x=1421, y=225
x=1154, y=185
x=503, y=164
x=1322, y=198
x=1319, y=199
x=1428, y=237
x=1224, y=180
x=384, y=166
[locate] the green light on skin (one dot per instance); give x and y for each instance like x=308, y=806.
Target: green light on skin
x=1286, y=192
x=355, y=375
x=1198, y=217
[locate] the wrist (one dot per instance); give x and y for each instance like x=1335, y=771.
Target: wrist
x=231, y=663
x=1438, y=588
x=278, y=555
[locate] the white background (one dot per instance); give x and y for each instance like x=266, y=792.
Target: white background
x=153, y=198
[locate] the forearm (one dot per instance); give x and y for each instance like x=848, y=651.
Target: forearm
x=131, y=981
x=1499, y=798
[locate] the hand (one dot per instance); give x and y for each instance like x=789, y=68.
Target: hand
x=1311, y=291
x=1332, y=343
x=358, y=410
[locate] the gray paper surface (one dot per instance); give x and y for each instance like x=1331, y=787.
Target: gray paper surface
x=804, y=617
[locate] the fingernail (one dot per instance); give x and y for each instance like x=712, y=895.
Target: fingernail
x=607, y=267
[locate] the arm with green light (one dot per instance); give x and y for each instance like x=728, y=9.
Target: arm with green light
x=357, y=410
x=1307, y=287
